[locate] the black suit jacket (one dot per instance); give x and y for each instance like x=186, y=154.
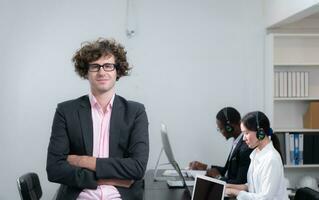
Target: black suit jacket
x=237, y=164
x=72, y=133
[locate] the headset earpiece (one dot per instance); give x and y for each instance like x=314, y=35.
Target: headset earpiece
x=228, y=127
x=260, y=133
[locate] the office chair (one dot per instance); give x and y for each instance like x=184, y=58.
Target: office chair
x=306, y=194
x=29, y=186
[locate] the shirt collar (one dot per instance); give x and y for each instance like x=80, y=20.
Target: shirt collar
x=259, y=155
x=94, y=102
x=235, y=142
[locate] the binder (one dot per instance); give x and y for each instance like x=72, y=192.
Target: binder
x=311, y=149
x=289, y=84
x=276, y=85
x=308, y=149
x=302, y=84
x=285, y=84
x=281, y=84
x=297, y=84
x=281, y=138
x=301, y=135
x=296, y=148
x=287, y=148
x=306, y=84
x=294, y=85
x=315, y=152
x=292, y=149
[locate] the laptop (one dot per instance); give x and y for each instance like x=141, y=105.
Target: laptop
x=208, y=188
x=170, y=156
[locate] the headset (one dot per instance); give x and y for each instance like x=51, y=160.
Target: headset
x=260, y=133
x=228, y=127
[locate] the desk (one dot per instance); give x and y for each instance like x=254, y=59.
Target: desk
x=158, y=190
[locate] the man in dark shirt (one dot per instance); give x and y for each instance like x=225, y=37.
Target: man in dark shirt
x=236, y=167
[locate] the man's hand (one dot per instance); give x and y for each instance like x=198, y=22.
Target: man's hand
x=82, y=161
x=212, y=172
x=195, y=165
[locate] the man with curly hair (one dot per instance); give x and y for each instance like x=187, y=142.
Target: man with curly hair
x=99, y=142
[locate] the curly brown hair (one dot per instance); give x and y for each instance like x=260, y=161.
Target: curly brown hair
x=92, y=51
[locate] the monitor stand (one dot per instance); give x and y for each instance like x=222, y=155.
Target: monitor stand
x=160, y=178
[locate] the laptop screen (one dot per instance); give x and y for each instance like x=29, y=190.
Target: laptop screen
x=208, y=188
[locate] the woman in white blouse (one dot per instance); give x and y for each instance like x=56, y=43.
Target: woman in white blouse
x=265, y=177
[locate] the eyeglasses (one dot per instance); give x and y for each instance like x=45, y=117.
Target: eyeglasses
x=108, y=67
x=220, y=129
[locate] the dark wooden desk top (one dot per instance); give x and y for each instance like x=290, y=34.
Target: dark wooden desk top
x=158, y=190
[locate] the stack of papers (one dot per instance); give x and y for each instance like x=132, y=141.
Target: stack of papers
x=194, y=173
x=173, y=172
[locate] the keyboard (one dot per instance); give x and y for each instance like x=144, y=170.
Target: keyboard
x=179, y=183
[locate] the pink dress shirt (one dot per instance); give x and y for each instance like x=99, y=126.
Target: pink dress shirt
x=101, y=131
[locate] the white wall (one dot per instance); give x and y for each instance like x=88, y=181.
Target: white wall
x=190, y=59
x=277, y=11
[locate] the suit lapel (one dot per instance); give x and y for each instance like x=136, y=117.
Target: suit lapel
x=237, y=146
x=115, y=125
x=233, y=153
x=86, y=124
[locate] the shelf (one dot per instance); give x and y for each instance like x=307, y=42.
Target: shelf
x=296, y=98
x=296, y=50
x=296, y=65
x=303, y=130
x=296, y=35
x=301, y=166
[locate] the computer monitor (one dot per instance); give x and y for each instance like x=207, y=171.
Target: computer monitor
x=166, y=144
x=208, y=188
x=170, y=156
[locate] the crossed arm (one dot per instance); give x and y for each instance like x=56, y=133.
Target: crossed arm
x=89, y=162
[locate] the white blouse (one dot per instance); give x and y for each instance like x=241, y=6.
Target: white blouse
x=265, y=177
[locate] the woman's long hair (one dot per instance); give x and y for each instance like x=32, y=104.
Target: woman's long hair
x=252, y=119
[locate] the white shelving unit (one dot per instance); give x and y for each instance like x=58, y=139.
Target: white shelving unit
x=292, y=52
x=303, y=130
x=301, y=166
x=296, y=99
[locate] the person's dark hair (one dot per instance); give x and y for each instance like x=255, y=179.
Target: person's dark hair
x=250, y=122
x=232, y=114
x=92, y=51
